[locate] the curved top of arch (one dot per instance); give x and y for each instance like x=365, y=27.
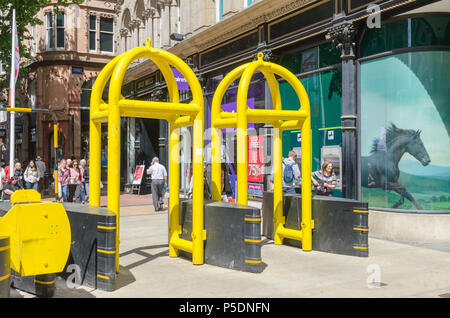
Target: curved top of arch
x=269, y=70
x=115, y=71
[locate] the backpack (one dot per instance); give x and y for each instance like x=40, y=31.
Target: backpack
x=288, y=174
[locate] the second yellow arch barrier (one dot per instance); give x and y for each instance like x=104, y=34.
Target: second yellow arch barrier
x=280, y=120
x=177, y=114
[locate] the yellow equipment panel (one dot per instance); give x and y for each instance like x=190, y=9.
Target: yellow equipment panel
x=39, y=233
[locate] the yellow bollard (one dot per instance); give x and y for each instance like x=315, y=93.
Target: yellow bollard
x=177, y=114
x=280, y=120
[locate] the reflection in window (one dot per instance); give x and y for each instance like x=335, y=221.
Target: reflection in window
x=92, y=33
x=60, y=31
x=405, y=131
x=106, y=34
x=49, y=30
x=413, y=32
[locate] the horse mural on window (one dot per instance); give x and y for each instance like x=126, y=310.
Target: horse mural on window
x=380, y=168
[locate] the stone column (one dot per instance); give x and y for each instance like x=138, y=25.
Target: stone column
x=344, y=34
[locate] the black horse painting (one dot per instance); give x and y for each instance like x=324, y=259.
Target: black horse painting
x=380, y=168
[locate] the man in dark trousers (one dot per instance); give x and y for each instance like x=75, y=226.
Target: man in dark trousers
x=40, y=165
x=159, y=179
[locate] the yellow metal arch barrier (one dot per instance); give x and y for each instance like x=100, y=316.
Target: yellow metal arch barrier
x=280, y=120
x=177, y=114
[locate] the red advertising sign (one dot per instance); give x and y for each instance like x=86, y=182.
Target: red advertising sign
x=255, y=158
x=138, y=174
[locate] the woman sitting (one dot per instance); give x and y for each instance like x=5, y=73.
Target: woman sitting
x=324, y=180
x=10, y=188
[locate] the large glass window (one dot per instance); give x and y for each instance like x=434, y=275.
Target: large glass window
x=49, y=30
x=405, y=131
x=60, y=31
x=413, y=32
x=92, y=33
x=325, y=98
x=106, y=34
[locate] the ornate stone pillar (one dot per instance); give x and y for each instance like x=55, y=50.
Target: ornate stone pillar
x=344, y=33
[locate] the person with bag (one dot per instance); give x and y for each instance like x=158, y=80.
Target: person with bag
x=74, y=183
x=324, y=180
x=17, y=172
x=291, y=173
x=63, y=179
x=32, y=176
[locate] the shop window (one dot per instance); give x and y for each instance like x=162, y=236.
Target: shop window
x=407, y=33
x=106, y=34
x=405, y=131
x=311, y=59
x=92, y=33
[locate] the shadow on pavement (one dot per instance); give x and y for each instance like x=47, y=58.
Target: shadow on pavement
x=147, y=256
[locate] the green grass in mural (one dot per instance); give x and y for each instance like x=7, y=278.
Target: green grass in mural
x=430, y=192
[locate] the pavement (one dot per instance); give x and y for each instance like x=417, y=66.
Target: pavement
x=391, y=270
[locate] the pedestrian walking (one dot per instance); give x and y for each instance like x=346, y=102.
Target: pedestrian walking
x=74, y=183
x=2, y=177
x=40, y=165
x=84, y=169
x=32, y=176
x=158, y=175
x=63, y=180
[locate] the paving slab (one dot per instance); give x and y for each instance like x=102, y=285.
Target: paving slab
x=391, y=270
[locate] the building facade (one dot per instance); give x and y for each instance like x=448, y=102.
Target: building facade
x=69, y=50
x=376, y=73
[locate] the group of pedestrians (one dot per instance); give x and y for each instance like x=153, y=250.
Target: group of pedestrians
x=31, y=177
x=323, y=181
x=73, y=180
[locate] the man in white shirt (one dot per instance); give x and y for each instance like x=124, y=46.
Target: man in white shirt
x=159, y=179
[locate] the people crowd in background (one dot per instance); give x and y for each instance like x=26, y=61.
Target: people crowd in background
x=73, y=181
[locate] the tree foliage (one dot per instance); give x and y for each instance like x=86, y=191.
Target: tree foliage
x=26, y=12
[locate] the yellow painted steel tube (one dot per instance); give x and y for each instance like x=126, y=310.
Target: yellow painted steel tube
x=216, y=136
x=183, y=121
x=290, y=234
x=279, y=219
x=261, y=115
x=174, y=182
x=181, y=244
x=118, y=106
x=242, y=121
x=306, y=225
x=225, y=123
x=169, y=108
x=55, y=146
x=95, y=131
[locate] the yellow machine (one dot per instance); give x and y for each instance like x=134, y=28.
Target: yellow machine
x=280, y=120
x=39, y=231
x=39, y=234
x=176, y=113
